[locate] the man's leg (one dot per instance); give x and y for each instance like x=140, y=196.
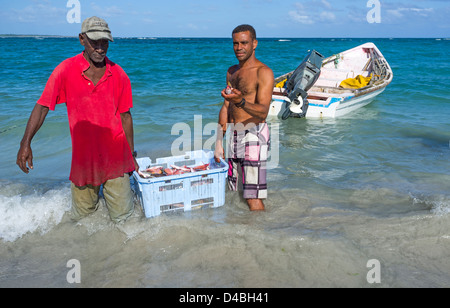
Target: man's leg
x=85, y=200
x=256, y=205
x=234, y=174
x=255, y=167
x=119, y=198
x=255, y=185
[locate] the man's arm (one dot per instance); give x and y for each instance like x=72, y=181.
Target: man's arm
x=266, y=82
x=127, y=124
x=260, y=108
x=25, y=154
x=221, y=131
x=223, y=123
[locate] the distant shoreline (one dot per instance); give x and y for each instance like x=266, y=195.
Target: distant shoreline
x=176, y=37
x=35, y=35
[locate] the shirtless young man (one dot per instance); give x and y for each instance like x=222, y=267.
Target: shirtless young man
x=246, y=109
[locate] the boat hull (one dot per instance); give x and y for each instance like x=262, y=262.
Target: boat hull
x=335, y=107
x=356, y=103
x=332, y=108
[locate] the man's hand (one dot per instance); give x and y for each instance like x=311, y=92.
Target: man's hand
x=25, y=154
x=136, y=165
x=235, y=97
x=24, y=157
x=219, y=152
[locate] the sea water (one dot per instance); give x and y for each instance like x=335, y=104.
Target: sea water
x=373, y=185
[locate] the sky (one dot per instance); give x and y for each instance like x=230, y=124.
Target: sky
x=212, y=18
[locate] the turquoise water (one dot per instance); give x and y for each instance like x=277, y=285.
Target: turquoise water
x=371, y=185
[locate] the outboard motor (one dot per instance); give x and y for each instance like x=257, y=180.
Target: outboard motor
x=297, y=85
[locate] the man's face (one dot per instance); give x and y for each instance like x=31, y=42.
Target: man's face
x=244, y=46
x=96, y=50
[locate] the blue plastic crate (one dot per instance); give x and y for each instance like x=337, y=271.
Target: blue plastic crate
x=186, y=192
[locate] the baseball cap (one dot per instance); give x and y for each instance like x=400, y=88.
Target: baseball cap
x=96, y=29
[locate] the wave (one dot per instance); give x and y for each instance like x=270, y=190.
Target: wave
x=439, y=205
x=25, y=209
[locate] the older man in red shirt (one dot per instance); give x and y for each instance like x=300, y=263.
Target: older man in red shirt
x=98, y=96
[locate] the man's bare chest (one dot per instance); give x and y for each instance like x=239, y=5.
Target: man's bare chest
x=95, y=75
x=245, y=82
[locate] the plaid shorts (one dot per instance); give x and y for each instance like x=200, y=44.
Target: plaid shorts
x=248, y=161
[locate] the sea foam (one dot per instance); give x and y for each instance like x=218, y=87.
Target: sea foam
x=34, y=211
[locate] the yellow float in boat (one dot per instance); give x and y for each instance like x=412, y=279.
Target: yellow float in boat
x=356, y=83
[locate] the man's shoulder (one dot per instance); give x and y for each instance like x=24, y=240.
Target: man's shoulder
x=233, y=69
x=68, y=64
x=75, y=59
x=265, y=74
x=264, y=68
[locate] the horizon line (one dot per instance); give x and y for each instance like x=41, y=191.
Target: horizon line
x=217, y=37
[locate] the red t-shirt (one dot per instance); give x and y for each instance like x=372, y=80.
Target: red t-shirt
x=100, y=150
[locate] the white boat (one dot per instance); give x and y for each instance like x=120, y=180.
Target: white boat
x=327, y=98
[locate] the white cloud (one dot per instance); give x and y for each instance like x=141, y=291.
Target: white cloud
x=326, y=4
x=327, y=16
x=404, y=11
x=106, y=12
x=39, y=12
x=302, y=19
x=395, y=13
x=312, y=12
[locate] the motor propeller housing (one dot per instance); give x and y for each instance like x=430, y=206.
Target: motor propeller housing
x=297, y=85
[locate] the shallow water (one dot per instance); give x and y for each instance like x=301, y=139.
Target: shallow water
x=371, y=185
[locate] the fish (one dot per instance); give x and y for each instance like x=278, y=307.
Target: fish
x=201, y=168
x=144, y=175
x=158, y=171
x=178, y=172
x=151, y=172
x=154, y=170
x=185, y=169
x=169, y=171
